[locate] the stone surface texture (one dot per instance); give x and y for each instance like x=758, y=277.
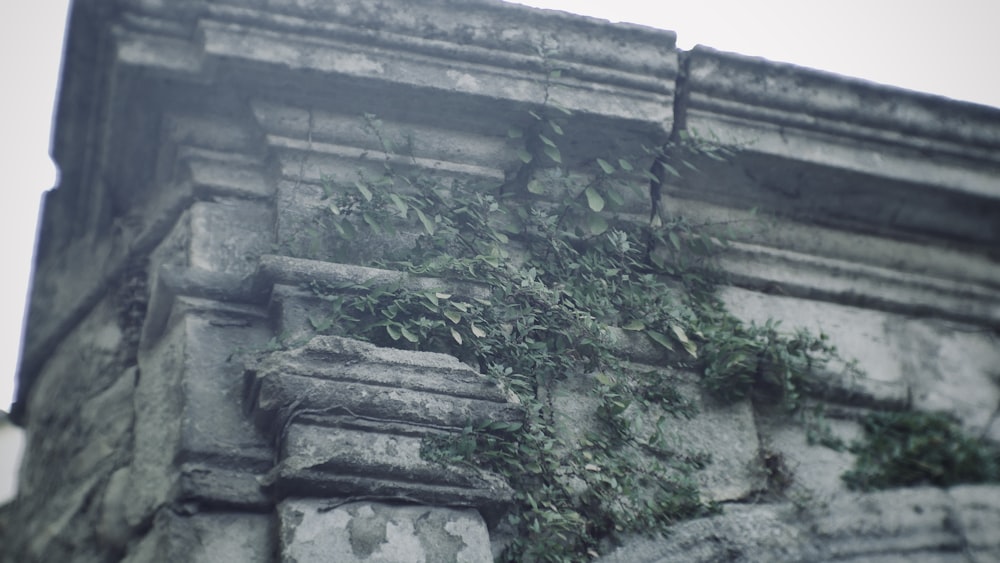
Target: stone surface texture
x=197, y=140
x=358, y=532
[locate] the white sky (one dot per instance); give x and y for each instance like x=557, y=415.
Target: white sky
x=945, y=47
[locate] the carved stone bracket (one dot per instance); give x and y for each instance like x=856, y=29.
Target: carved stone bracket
x=348, y=418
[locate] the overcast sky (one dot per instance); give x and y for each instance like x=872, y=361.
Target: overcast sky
x=948, y=48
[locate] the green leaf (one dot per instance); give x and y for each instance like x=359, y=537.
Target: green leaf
x=456, y=336
x=634, y=325
x=408, y=335
x=691, y=349
x=365, y=192
x=514, y=133
x=605, y=166
x=320, y=325
x=596, y=224
x=346, y=229
x=625, y=165
x=556, y=128
x=536, y=187
x=524, y=155
x=400, y=204
x=453, y=317
x=334, y=209
x=547, y=140
x=660, y=339
x=480, y=333
x=372, y=222
x=594, y=199
x=673, y=171
x=552, y=153
x=393, y=332
x=535, y=115
x=675, y=240
x=428, y=224
x=615, y=197
x=679, y=333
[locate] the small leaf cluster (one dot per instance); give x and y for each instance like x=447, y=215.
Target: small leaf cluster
x=760, y=361
x=905, y=449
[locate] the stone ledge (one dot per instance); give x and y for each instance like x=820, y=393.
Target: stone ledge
x=400, y=386
x=895, y=525
x=348, y=419
x=847, y=283
x=288, y=271
x=365, y=531
x=800, y=98
x=841, y=151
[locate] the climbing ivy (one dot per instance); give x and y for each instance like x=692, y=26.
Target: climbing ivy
x=566, y=273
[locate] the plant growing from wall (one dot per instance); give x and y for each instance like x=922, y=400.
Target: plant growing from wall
x=905, y=449
x=562, y=260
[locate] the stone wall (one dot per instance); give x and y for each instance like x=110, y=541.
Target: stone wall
x=194, y=138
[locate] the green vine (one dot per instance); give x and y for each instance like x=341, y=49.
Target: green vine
x=905, y=449
x=567, y=270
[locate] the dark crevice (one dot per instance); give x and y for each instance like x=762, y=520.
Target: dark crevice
x=681, y=95
x=662, y=163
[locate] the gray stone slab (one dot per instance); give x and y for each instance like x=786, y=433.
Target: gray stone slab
x=887, y=522
x=206, y=537
x=977, y=516
x=811, y=472
x=930, y=364
x=311, y=531
x=189, y=408
x=726, y=435
x=338, y=377
x=920, y=524
x=375, y=463
x=369, y=453
x=832, y=149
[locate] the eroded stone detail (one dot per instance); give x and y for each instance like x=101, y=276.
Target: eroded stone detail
x=312, y=530
x=348, y=418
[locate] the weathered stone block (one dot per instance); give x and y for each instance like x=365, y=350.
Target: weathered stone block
x=315, y=531
x=380, y=461
x=742, y=533
x=188, y=405
x=977, y=517
x=920, y=362
x=206, y=537
x=226, y=236
x=802, y=469
x=725, y=435
x=349, y=418
x=887, y=522
x=918, y=524
x=340, y=376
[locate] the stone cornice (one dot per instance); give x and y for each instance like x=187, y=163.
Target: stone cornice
x=844, y=152
x=839, y=106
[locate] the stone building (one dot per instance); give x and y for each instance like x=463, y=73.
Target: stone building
x=199, y=141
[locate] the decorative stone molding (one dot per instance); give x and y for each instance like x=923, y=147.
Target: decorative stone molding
x=196, y=138
x=347, y=420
